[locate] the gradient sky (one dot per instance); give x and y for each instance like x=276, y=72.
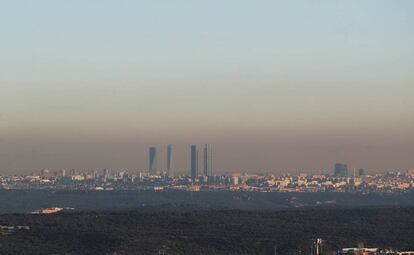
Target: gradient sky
x=275, y=86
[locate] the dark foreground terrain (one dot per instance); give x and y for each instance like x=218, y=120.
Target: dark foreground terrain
x=23, y=201
x=207, y=231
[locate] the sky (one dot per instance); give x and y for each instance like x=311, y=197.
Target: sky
x=274, y=86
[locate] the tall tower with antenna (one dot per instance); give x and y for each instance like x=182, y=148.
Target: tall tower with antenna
x=170, y=170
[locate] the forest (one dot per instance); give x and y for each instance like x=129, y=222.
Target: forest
x=155, y=231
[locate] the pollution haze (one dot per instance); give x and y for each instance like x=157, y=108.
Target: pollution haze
x=274, y=86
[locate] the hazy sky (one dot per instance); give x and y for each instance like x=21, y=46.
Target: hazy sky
x=273, y=85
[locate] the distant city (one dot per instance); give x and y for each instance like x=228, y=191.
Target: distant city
x=339, y=180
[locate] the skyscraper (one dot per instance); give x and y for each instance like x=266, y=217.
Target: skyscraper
x=152, y=168
x=341, y=170
x=170, y=171
x=194, y=162
x=208, y=160
x=62, y=173
x=105, y=173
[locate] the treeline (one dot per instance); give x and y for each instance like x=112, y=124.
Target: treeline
x=208, y=231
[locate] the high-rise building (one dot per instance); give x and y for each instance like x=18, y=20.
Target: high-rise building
x=208, y=160
x=170, y=171
x=152, y=160
x=105, y=173
x=72, y=172
x=341, y=170
x=62, y=173
x=194, y=162
x=45, y=173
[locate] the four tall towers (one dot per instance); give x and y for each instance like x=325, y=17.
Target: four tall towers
x=194, y=164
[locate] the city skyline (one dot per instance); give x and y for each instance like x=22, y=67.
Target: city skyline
x=210, y=127
x=167, y=155
x=192, y=169
x=275, y=86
